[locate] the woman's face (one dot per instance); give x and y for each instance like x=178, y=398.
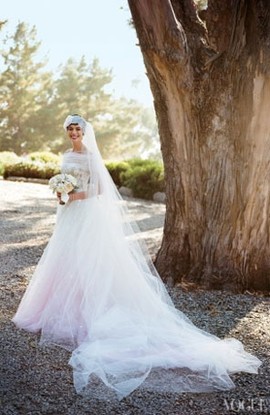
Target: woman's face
x=75, y=133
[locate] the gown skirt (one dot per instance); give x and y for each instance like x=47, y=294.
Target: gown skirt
x=91, y=296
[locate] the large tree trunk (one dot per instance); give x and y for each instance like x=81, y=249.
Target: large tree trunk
x=211, y=87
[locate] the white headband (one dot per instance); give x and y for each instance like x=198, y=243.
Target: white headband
x=75, y=119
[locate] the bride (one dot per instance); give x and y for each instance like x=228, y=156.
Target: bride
x=96, y=293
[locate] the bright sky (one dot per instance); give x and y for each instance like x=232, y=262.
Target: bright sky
x=94, y=28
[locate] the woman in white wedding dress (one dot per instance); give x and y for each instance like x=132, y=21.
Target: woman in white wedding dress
x=96, y=293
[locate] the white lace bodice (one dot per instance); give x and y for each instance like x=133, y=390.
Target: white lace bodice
x=77, y=164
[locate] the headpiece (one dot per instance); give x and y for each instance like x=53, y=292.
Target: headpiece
x=75, y=119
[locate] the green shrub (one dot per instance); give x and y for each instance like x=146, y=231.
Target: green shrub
x=36, y=165
x=144, y=177
x=115, y=169
x=6, y=158
x=34, y=170
x=137, y=162
x=44, y=157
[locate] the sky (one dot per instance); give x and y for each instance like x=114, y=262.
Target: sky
x=93, y=28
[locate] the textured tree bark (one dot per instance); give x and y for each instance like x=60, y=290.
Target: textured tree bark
x=211, y=87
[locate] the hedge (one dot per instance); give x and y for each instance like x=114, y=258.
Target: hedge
x=30, y=169
x=143, y=177
x=44, y=157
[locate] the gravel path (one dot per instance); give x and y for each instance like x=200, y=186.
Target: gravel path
x=38, y=380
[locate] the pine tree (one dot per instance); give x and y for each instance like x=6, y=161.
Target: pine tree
x=23, y=87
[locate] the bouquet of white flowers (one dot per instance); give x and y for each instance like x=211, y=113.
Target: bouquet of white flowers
x=64, y=184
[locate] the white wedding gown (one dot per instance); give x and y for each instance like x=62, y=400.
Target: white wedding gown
x=90, y=295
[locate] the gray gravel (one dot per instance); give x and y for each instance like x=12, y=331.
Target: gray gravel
x=38, y=380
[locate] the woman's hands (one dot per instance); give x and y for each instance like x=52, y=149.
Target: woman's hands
x=58, y=194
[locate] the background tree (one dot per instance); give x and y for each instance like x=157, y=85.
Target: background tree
x=211, y=87
x=22, y=90
x=120, y=125
x=34, y=103
x=142, y=139
x=79, y=88
x=82, y=88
